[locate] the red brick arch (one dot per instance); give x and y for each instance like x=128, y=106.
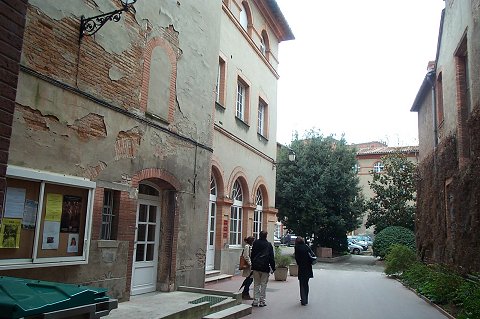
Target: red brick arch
x=151, y=45
x=149, y=173
x=238, y=173
x=217, y=173
x=260, y=183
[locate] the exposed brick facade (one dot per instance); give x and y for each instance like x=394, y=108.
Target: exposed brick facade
x=12, y=23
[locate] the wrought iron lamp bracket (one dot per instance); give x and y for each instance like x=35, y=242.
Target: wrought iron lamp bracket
x=90, y=26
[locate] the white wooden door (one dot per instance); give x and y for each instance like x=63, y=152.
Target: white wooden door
x=210, y=259
x=145, y=254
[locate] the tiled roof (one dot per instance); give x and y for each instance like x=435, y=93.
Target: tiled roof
x=386, y=150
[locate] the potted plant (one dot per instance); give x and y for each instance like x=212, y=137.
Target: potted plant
x=281, y=263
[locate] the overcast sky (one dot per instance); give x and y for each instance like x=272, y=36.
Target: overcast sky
x=355, y=67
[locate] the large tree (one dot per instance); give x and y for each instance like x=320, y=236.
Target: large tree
x=318, y=194
x=394, y=201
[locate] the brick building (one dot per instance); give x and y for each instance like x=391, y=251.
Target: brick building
x=108, y=169
x=448, y=107
x=12, y=21
x=369, y=159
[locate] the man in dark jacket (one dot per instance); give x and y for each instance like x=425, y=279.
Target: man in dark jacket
x=263, y=262
x=305, y=271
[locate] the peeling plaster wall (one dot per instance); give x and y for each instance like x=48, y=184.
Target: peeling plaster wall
x=62, y=131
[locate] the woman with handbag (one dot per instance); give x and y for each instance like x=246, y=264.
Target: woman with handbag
x=305, y=272
x=247, y=272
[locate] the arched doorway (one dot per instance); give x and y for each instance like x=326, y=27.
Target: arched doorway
x=258, y=214
x=147, y=234
x=212, y=211
x=236, y=215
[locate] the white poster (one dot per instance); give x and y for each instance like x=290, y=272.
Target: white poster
x=51, y=231
x=30, y=214
x=14, y=202
x=72, y=243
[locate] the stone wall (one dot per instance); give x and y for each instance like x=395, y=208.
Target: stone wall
x=448, y=208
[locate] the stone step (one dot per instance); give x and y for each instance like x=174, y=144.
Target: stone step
x=234, y=312
x=212, y=273
x=218, y=278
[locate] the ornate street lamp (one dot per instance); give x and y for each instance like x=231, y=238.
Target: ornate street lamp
x=89, y=26
x=291, y=159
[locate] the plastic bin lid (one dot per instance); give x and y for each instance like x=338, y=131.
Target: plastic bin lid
x=26, y=297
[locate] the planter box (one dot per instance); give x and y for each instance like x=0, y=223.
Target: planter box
x=293, y=270
x=281, y=274
x=324, y=252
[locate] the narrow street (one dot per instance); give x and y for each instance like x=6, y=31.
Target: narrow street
x=355, y=288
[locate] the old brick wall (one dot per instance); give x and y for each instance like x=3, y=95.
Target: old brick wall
x=448, y=207
x=12, y=22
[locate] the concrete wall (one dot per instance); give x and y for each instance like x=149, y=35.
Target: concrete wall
x=239, y=151
x=91, y=109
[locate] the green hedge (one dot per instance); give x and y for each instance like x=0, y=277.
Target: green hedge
x=392, y=235
x=440, y=284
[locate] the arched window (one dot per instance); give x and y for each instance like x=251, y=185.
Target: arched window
x=264, y=44
x=378, y=167
x=236, y=215
x=244, y=17
x=258, y=214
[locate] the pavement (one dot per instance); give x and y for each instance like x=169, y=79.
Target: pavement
x=354, y=288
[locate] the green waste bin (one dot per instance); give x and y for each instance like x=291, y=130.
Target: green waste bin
x=27, y=298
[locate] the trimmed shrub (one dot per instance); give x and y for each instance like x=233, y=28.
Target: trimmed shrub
x=281, y=261
x=392, y=235
x=399, y=259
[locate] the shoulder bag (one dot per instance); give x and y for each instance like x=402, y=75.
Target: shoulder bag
x=243, y=262
x=311, y=254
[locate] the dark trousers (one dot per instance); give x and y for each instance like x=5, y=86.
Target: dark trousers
x=303, y=290
x=248, y=281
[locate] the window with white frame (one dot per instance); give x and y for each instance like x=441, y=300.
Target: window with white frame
x=46, y=219
x=262, y=111
x=378, y=167
x=241, y=100
x=236, y=215
x=258, y=214
x=356, y=168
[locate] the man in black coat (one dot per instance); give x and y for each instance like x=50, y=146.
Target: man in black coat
x=263, y=262
x=305, y=271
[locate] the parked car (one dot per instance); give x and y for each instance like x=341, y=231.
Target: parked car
x=359, y=242
x=354, y=248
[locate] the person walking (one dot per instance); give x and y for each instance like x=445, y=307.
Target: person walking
x=305, y=271
x=263, y=262
x=247, y=272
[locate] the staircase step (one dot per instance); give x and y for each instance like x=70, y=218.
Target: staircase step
x=234, y=312
x=218, y=278
x=212, y=273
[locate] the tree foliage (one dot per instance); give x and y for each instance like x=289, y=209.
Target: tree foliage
x=394, y=189
x=318, y=194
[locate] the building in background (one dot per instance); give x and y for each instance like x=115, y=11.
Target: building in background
x=369, y=161
x=111, y=142
x=448, y=107
x=242, y=185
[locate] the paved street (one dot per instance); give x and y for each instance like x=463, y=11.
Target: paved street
x=356, y=288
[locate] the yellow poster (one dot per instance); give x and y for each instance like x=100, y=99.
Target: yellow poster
x=54, y=207
x=10, y=233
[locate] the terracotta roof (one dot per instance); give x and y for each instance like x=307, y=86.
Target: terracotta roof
x=386, y=150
